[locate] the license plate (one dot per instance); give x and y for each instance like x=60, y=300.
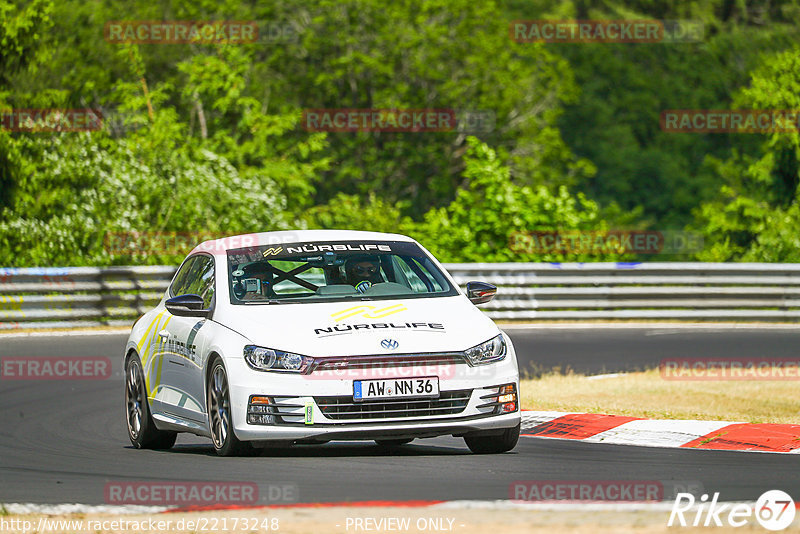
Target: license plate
x=396, y=388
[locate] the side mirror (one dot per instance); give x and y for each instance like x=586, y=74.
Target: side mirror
x=480, y=292
x=187, y=306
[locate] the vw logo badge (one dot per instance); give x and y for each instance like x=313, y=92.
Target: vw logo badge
x=389, y=344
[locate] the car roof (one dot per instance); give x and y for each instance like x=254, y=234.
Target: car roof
x=220, y=246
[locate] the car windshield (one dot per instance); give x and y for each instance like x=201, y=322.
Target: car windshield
x=327, y=271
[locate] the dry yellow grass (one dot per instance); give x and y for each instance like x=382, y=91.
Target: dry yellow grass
x=646, y=394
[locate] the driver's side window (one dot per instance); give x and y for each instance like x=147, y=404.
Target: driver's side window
x=196, y=276
x=201, y=280
x=181, y=281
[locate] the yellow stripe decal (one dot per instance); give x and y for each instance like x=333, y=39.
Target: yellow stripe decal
x=368, y=311
x=160, y=365
x=355, y=310
x=146, y=355
x=144, y=337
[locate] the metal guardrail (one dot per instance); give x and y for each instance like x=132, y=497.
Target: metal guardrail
x=73, y=297
x=688, y=291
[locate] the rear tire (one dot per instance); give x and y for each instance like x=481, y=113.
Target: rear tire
x=142, y=430
x=493, y=444
x=390, y=443
x=220, y=415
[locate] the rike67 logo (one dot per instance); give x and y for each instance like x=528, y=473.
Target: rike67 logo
x=774, y=510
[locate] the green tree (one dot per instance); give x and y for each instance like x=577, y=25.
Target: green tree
x=21, y=31
x=614, y=122
x=423, y=54
x=82, y=191
x=757, y=216
x=482, y=222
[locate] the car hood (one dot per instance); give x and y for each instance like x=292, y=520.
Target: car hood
x=356, y=328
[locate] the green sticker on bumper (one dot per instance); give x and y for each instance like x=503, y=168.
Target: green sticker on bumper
x=309, y=419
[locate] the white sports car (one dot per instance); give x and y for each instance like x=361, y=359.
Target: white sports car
x=306, y=337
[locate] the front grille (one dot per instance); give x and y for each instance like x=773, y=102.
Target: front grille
x=337, y=363
x=448, y=403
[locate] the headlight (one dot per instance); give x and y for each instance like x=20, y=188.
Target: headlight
x=493, y=350
x=264, y=359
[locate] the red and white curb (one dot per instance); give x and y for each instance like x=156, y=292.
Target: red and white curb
x=623, y=430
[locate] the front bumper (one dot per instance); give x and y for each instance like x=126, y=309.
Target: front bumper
x=309, y=408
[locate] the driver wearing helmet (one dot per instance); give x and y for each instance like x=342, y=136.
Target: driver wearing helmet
x=363, y=271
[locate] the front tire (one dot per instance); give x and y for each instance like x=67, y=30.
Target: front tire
x=142, y=430
x=493, y=444
x=220, y=415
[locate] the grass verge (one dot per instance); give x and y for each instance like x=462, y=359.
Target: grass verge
x=646, y=394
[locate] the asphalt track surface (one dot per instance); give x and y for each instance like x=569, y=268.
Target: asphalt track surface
x=63, y=441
